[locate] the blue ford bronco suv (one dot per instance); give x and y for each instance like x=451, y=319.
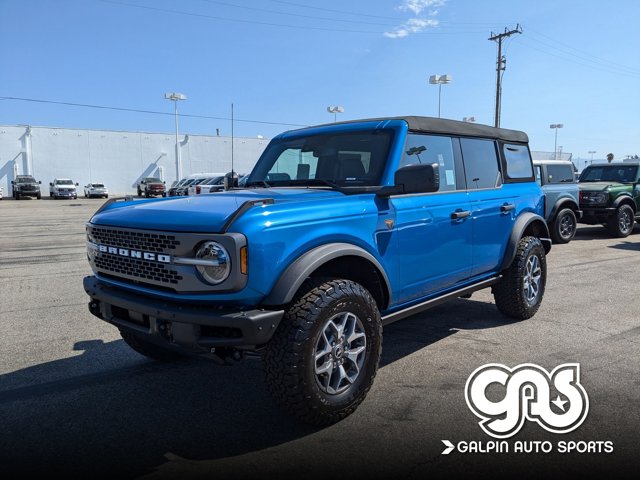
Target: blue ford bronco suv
x=339, y=230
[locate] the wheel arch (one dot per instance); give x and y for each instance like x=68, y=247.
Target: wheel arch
x=561, y=203
x=527, y=224
x=341, y=260
x=625, y=199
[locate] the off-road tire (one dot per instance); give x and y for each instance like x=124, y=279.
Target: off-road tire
x=149, y=349
x=512, y=292
x=146, y=193
x=290, y=356
x=621, y=223
x=139, y=192
x=564, y=226
x=39, y=196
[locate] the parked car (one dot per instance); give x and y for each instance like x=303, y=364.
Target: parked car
x=207, y=185
x=151, y=187
x=1, y=193
x=25, y=186
x=173, y=190
x=63, y=188
x=559, y=185
x=360, y=224
x=609, y=196
x=95, y=190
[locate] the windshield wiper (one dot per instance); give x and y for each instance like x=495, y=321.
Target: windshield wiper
x=316, y=181
x=257, y=183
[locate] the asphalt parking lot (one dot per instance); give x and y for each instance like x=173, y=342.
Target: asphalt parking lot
x=75, y=399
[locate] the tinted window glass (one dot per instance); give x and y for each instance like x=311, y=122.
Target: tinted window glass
x=560, y=174
x=430, y=149
x=517, y=160
x=609, y=173
x=480, y=163
x=346, y=159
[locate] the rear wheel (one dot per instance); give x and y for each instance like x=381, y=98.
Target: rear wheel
x=519, y=293
x=323, y=358
x=621, y=223
x=148, y=349
x=39, y=196
x=564, y=226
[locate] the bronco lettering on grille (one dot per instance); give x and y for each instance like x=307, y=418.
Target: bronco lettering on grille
x=125, y=252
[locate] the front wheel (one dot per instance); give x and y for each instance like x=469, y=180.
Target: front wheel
x=519, y=293
x=564, y=227
x=621, y=224
x=323, y=357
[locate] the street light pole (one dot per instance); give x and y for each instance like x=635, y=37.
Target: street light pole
x=556, y=126
x=591, y=152
x=440, y=80
x=175, y=97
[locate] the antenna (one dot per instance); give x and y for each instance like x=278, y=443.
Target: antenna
x=232, y=139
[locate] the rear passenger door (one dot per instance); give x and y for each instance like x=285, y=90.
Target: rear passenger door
x=493, y=207
x=434, y=249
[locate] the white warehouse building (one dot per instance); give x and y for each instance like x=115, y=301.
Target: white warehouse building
x=117, y=159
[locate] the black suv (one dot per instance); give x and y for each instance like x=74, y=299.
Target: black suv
x=26, y=186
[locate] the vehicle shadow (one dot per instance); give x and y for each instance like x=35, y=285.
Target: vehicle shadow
x=626, y=245
x=84, y=414
x=596, y=232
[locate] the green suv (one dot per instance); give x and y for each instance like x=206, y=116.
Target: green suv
x=610, y=195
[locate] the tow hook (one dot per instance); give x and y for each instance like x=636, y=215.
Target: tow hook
x=226, y=355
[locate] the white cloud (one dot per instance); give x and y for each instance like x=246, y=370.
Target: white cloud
x=413, y=25
x=418, y=6
x=418, y=23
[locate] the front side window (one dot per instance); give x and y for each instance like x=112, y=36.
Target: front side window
x=560, y=174
x=480, y=163
x=429, y=149
x=517, y=161
x=344, y=159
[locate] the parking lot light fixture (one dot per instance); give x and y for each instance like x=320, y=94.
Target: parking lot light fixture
x=440, y=80
x=335, y=110
x=556, y=126
x=175, y=97
x=591, y=152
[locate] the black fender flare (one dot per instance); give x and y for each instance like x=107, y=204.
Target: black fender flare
x=624, y=198
x=296, y=273
x=562, y=203
x=522, y=223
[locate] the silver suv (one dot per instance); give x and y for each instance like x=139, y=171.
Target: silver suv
x=560, y=188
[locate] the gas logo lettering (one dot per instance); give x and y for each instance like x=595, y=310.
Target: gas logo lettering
x=526, y=394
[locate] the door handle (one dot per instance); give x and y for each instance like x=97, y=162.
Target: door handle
x=507, y=207
x=459, y=214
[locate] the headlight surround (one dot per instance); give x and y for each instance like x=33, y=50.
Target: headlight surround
x=220, y=268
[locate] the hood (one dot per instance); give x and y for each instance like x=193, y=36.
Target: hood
x=199, y=214
x=599, y=186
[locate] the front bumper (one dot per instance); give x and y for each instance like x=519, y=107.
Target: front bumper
x=65, y=194
x=598, y=214
x=30, y=193
x=195, y=328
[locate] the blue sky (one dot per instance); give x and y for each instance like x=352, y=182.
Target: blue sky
x=284, y=61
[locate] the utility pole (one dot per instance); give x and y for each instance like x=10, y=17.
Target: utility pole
x=501, y=65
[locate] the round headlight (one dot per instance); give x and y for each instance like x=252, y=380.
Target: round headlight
x=219, y=267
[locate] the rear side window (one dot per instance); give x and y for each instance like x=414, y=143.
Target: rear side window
x=560, y=174
x=481, y=163
x=430, y=149
x=517, y=162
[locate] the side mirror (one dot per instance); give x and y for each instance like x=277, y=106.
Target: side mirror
x=421, y=178
x=77, y=184
x=164, y=183
x=12, y=182
x=51, y=184
x=40, y=182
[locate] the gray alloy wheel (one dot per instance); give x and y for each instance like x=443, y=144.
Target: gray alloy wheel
x=340, y=352
x=621, y=224
x=564, y=227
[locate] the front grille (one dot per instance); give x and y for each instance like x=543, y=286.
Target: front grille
x=145, y=241
x=137, y=268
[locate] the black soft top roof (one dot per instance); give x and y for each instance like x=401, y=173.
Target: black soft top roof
x=452, y=127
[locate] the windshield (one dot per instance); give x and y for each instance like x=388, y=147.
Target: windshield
x=336, y=160
x=25, y=180
x=152, y=180
x=609, y=173
x=214, y=181
x=97, y=185
x=64, y=182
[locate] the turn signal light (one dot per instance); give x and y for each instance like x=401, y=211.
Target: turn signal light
x=244, y=261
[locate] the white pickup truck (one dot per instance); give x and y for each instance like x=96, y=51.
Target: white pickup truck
x=63, y=188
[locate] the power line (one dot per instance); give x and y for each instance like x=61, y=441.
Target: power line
x=151, y=112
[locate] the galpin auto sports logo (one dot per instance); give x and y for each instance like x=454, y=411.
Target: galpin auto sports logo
x=528, y=395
